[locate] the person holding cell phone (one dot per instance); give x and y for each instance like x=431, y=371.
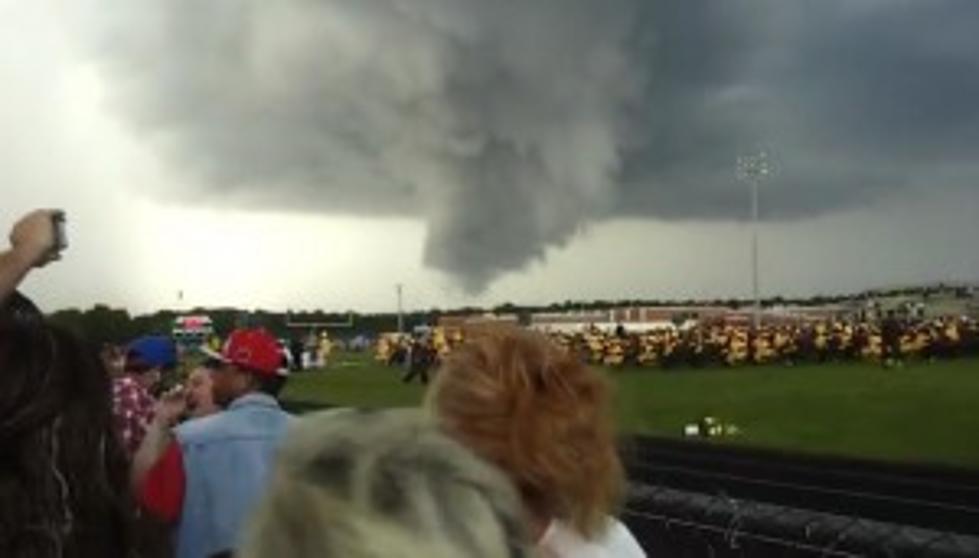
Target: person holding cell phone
x=63, y=473
x=34, y=242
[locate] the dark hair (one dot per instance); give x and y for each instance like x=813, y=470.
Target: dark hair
x=136, y=364
x=18, y=307
x=271, y=385
x=63, y=474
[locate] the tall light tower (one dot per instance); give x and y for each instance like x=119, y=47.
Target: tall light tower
x=753, y=169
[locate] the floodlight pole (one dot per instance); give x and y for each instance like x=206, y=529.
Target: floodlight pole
x=755, y=291
x=753, y=169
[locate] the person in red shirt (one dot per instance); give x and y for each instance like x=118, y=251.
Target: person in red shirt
x=213, y=469
x=195, y=400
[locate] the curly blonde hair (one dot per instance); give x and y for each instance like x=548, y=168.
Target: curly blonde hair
x=539, y=414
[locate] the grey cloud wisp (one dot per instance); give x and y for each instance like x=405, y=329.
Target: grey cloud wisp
x=507, y=126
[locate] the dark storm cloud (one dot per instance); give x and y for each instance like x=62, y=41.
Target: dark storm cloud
x=859, y=100
x=508, y=126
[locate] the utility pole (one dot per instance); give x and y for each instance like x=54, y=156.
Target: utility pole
x=401, y=318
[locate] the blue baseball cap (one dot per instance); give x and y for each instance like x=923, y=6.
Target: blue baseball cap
x=150, y=352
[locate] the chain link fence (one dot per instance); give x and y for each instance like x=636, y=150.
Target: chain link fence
x=672, y=522
x=703, y=499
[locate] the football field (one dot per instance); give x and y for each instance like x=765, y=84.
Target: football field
x=923, y=412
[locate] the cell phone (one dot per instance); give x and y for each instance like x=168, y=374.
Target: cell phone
x=59, y=224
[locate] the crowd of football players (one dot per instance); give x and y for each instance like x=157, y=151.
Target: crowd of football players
x=888, y=342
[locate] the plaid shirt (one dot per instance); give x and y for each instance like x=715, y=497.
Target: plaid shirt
x=132, y=408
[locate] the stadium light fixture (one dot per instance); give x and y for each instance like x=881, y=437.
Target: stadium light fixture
x=753, y=169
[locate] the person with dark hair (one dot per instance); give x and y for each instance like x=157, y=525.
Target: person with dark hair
x=147, y=359
x=113, y=359
x=211, y=474
x=296, y=351
x=891, y=332
x=420, y=360
x=62, y=471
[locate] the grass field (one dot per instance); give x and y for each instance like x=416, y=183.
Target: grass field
x=924, y=412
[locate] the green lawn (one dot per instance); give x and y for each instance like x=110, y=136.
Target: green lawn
x=925, y=412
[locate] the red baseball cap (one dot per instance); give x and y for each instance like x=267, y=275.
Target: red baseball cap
x=255, y=350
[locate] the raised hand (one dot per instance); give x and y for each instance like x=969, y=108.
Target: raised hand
x=171, y=406
x=33, y=238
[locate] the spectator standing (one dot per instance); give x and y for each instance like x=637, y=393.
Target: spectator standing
x=62, y=472
x=543, y=418
x=209, y=478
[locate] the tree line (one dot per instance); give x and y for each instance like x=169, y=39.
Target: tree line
x=103, y=324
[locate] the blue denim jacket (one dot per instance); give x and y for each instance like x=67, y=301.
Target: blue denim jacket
x=227, y=458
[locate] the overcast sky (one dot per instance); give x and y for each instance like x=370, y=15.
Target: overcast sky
x=312, y=154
